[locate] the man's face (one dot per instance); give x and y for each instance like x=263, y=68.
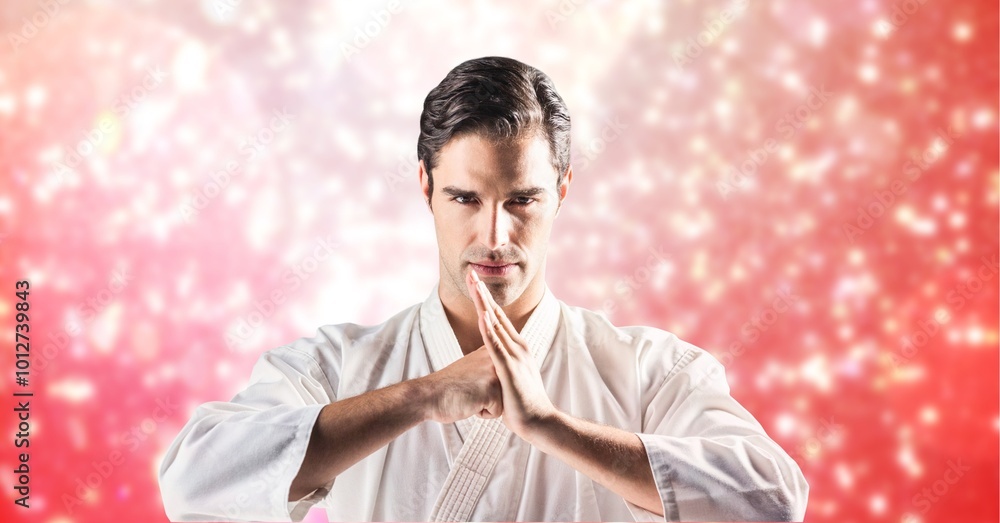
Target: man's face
x=494, y=205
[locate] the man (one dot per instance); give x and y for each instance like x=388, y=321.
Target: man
x=491, y=400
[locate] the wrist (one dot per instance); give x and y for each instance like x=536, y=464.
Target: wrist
x=546, y=430
x=422, y=391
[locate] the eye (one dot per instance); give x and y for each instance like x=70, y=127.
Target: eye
x=523, y=200
x=462, y=200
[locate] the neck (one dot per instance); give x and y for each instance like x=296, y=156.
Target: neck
x=462, y=316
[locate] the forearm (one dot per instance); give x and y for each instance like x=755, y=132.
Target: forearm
x=349, y=430
x=612, y=457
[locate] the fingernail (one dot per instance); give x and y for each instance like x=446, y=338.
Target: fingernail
x=475, y=276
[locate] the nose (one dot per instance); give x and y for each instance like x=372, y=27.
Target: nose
x=496, y=227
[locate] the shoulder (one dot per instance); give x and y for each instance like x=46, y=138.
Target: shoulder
x=325, y=351
x=657, y=353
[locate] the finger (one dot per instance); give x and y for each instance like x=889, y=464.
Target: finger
x=496, y=327
x=491, y=304
x=500, y=327
x=493, y=348
x=492, y=411
x=477, y=298
x=495, y=408
x=490, y=338
x=486, y=331
x=501, y=323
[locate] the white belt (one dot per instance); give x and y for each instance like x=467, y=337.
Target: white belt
x=471, y=471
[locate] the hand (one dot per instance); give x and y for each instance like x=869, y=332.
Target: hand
x=467, y=387
x=525, y=402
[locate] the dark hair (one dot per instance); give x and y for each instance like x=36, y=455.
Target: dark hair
x=500, y=99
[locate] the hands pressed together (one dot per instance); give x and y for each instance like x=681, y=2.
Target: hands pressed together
x=524, y=400
x=499, y=378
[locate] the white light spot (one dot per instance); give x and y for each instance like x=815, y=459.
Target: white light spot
x=35, y=96
x=929, y=415
x=868, y=73
x=982, y=118
x=189, y=66
x=962, y=31
x=785, y=424
x=71, y=390
x=877, y=504
x=817, y=31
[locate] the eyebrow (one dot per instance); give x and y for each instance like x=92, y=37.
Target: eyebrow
x=528, y=192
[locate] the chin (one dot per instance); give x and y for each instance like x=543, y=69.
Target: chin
x=508, y=292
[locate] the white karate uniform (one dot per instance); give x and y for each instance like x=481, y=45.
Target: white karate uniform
x=710, y=458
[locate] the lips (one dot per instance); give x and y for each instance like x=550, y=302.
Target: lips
x=493, y=268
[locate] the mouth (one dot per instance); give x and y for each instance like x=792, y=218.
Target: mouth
x=493, y=269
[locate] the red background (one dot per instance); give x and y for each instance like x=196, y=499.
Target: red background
x=872, y=420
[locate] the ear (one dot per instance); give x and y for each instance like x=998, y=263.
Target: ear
x=425, y=184
x=564, y=187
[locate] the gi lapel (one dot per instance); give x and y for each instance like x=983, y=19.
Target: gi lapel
x=441, y=345
x=481, y=449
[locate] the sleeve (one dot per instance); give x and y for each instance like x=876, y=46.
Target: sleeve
x=236, y=460
x=711, y=460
